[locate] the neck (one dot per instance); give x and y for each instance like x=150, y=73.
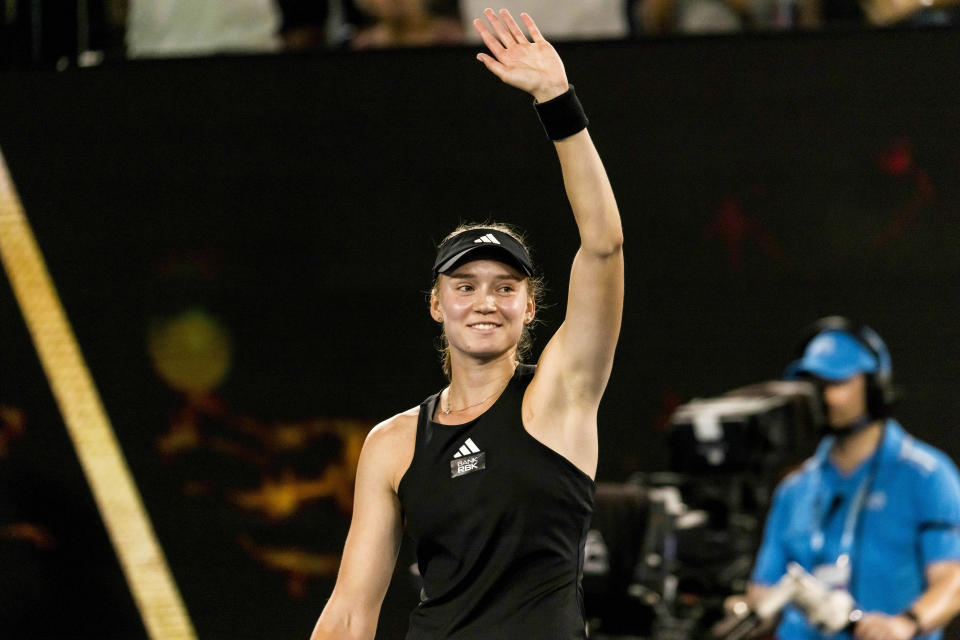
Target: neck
x=472, y=383
x=850, y=451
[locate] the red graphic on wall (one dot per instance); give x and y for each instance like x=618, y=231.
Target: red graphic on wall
x=898, y=163
x=669, y=403
x=736, y=229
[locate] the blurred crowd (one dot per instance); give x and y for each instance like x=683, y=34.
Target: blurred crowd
x=88, y=30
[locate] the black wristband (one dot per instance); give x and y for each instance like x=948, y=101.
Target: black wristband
x=910, y=615
x=562, y=116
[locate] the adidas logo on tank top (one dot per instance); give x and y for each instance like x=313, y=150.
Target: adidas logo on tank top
x=467, y=459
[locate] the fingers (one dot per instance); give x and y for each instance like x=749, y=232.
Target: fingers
x=507, y=31
x=495, y=66
x=532, y=28
x=513, y=27
x=488, y=38
x=505, y=36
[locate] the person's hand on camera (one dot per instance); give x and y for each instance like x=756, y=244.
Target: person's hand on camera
x=880, y=626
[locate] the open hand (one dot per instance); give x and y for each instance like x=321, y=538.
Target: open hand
x=534, y=66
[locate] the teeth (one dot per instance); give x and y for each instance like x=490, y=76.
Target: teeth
x=484, y=326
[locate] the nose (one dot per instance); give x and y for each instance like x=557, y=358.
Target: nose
x=486, y=303
x=834, y=395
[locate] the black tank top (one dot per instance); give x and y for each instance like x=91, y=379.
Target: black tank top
x=499, y=522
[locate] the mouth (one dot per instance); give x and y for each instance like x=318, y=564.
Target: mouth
x=484, y=326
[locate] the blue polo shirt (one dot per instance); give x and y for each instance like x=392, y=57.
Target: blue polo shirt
x=910, y=519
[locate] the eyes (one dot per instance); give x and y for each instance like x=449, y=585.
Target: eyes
x=504, y=289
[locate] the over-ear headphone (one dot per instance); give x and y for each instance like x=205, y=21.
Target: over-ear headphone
x=881, y=395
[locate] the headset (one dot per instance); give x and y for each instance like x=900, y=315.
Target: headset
x=881, y=394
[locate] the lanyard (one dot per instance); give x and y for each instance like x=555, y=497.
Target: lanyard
x=848, y=538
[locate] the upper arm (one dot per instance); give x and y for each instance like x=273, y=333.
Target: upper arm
x=940, y=601
x=946, y=572
x=370, y=552
x=585, y=343
x=938, y=517
x=580, y=354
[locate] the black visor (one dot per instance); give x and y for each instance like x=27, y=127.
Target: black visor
x=482, y=243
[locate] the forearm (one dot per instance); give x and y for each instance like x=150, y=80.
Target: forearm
x=590, y=195
x=341, y=628
x=940, y=603
x=534, y=66
x=347, y=615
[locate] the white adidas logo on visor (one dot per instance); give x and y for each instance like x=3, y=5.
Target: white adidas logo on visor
x=489, y=238
x=468, y=448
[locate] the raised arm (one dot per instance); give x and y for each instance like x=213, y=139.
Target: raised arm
x=370, y=552
x=580, y=354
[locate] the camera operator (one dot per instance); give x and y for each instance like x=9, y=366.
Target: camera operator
x=874, y=511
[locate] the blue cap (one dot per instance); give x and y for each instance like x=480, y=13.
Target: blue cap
x=834, y=355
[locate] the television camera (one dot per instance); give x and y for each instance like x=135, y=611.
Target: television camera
x=665, y=548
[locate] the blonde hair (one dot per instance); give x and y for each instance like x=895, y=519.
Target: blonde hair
x=535, y=290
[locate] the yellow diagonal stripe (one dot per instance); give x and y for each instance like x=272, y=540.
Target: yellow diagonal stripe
x=128, y=525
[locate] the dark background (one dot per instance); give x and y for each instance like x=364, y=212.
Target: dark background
x=296, y=201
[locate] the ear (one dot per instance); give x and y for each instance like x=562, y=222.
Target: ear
x=435, y=312
x=531, y=310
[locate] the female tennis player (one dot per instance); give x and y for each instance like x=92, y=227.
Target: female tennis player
x=492, y=477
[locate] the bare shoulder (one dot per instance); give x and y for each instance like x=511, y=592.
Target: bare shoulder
x=389, y=445
x=399, y=426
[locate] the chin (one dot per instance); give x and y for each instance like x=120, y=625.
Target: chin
x=488, y=353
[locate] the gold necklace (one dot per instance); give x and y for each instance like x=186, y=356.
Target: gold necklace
x=447, y=410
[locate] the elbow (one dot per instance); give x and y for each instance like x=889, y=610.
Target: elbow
x=616, y=242
x=325, y=630
x=605, y=246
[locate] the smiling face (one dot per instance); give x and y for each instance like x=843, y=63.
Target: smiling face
x=484, y=306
